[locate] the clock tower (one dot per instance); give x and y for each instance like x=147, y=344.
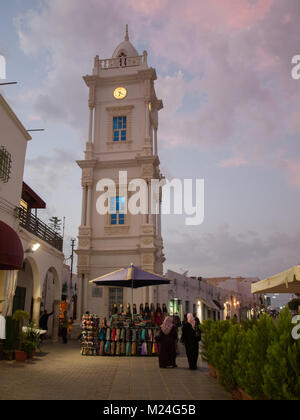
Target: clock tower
x=123, y=123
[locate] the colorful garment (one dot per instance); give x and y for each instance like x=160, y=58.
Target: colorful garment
x=144, y=349
x=107, y=347
x=102, y=334
x=128, y=334
x=108, y=334
x=133, y=334
x=123, y=332
x=113, y=334
x=118, y=333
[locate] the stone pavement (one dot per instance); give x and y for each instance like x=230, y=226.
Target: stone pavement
x=61, y=373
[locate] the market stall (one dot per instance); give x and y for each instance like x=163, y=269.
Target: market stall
x=125, y=334
x=129, y=332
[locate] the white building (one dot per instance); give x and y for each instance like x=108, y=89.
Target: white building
x=123, y=128
x=192, y=294
x=240, y=302
x=22, y=271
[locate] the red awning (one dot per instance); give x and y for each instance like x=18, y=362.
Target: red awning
x=11, y=249
x=33, y=200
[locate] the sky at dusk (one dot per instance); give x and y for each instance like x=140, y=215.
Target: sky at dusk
x=231, y=115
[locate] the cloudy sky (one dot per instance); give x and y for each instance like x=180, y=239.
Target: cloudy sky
x=231, y=115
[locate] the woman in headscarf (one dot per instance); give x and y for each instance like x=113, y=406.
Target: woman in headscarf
x=167, y=344
x=190, y=340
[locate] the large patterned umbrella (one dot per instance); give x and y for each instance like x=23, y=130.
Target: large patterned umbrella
x=132, y=276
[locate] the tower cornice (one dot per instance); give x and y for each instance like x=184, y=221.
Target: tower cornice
x=91, y=163
x=144, y=74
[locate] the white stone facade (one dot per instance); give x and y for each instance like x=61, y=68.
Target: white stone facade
x=102, y=246
x=47, y=259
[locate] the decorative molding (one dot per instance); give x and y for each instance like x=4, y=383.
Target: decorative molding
x=147, y=259
x=85, y=231
x=87, y=176
x=116, y=229
x=90, y=163
x=119, y=108
x=83, y=260
x=147, y=229
x=147, y=170
x=147, y=241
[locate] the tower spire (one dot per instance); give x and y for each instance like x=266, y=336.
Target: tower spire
x=126, y=33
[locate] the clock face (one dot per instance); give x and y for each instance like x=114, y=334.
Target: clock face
x=120, y=92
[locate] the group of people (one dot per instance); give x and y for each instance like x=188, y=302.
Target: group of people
x=168, y=337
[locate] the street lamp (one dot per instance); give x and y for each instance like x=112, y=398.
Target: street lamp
x=34, y=247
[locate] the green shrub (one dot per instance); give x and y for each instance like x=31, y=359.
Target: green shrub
x=252, y=356
x=282, y=369
x=261, y=357
x=228, y=354
x=212, y=335
x=294, y=304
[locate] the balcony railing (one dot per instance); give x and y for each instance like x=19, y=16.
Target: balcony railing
x=119, y=62
x=34, y=225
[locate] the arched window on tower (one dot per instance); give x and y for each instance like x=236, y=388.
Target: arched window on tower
x=123, y=59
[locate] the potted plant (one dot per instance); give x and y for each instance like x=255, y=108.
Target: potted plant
x=29, y=348
x=31, y=336
x=20, y=316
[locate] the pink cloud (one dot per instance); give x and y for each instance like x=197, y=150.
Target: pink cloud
x=292, y=170
x=237, y=54
x=232, y=162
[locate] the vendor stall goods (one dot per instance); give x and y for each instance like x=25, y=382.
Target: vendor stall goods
x=90, y=333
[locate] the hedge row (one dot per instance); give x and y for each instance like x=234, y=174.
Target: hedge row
x=259, y=356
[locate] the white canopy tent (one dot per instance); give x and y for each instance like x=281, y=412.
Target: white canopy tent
x=286, y=282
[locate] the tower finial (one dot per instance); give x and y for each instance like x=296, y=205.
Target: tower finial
x=126, y=34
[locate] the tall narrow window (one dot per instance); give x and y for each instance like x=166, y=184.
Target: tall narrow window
x=117, y=210
x=115, y=296
x=119, y=128
x=5, y=164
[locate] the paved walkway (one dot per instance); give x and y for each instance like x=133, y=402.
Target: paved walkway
x=60, y=372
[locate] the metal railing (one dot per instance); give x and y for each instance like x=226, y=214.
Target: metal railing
x=34, y=225
x=110, y=63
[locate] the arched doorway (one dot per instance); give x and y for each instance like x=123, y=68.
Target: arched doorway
x=51, y=296
x=27, y=289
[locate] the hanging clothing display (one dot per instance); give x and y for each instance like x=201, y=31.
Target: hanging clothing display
x=90, y=335
x=113, y=334
x=2, y=328
x=121, y=336
x=101, y=350
x=158, y=315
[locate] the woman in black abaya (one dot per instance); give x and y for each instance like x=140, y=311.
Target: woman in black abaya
x=191, y=341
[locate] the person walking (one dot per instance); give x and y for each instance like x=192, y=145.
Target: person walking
x=43, y=323
x=64, y=331
x=190, y=339
x=167, y=344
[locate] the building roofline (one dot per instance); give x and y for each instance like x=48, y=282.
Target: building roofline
x=14, y=118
